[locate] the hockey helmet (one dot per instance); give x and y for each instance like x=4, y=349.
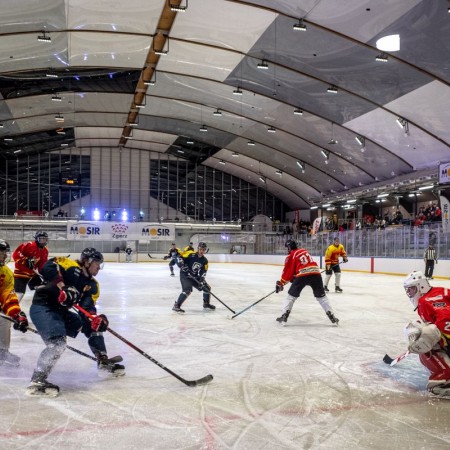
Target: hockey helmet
x=416, y=285
x=90, y=254
x=202, y=245
x=4, y=249
x=291, y=244
x=41, y=238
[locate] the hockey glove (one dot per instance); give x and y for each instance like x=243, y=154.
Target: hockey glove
x=203, y=285
x=328, y=269
x=68, y=295
x=100, y=323
x=30, y=263
x=345, y=259
x=166, y=258
x=278, y=286
x=20, y=322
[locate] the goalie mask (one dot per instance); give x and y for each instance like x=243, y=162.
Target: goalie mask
x=416, y=285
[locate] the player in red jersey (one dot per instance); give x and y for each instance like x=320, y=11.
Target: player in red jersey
x=29, y=259
x=301, y=270
x=430, y=338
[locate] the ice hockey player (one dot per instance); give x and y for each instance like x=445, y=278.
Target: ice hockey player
x=9, y=303
x=193, y=268
x=189, y=248
x=128, y=253
x=173, y=255
x=430, y=337
x=69, y=282
x=301, y=270
x=332, y=254
x=29, y=258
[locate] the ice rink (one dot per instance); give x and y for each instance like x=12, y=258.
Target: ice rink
x=309, y=385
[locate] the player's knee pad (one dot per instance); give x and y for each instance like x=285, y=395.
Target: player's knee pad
x=56, y=345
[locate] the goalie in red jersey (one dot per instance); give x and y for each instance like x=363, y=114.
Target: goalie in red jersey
x=301, y=270
x=430, y=338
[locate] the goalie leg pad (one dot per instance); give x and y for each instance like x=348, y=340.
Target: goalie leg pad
x=438, y=363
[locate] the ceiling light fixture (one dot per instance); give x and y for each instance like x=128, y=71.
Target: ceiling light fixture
x=271, y=130
x=382, y=57
x=152, y=80
x=132, y=124
x=44, y=37
x=262, y=179
x=189, y=142
x=423, y=188
x=299, y=26
x=180, y=7
x=237, y=91
x=56, y=98
x=1, y=125
x=332, y=90
x=61, y=131
x=389, y=43
x=217, y=113
x=59, y=118
x=203, y=128
x=301, y=164
x=360, y=140
x=51, y=75
x=8, y=139
x=251, y=143
x=141, y=105
x=314, y=207
x=222, y=162
x=130, y=136
x=403, y=123
x=382, y=195
x=235, y=155
x=263, y=65
x=279, y=172
x=162, y=51
x=298, y=112
x=64, y=144
x=17, y=151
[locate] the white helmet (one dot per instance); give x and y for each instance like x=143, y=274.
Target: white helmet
x=416, y=285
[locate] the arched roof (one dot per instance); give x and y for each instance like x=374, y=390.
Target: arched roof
x=108, y=58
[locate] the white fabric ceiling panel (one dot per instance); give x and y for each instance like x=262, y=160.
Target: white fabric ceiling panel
x=111, y=15
x=227, y=26
x=98, y=132
x=192, y=59
x=105, y=50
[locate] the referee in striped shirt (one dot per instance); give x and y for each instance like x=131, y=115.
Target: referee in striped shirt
x=430, y=258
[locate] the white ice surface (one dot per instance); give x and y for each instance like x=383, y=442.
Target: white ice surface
x=309, y=385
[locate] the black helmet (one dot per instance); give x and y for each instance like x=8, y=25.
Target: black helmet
x=202, y=245
x=91, y=254
x=41, y=238
x=4, y=246
x=291, y=244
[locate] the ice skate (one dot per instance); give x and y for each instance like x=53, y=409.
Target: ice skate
x=208, y=307
x=177, y=309
x=333, y=318
x=8, y=359
x=338, y=289
x=172, y=274
x=40, y=387
x=283, y=318
x=326, y=289
x=440, y=389
x=108, y=367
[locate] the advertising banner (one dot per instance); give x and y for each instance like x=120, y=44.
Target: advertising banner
x=444, y=173
x=445, y=206
x=119, y=231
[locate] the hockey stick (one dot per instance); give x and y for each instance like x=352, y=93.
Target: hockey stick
x=158, y=258
x=209, y=292
x=37, y=332
x=253, y=304
x=393, y=361
x=204, y=380
x=338, y=264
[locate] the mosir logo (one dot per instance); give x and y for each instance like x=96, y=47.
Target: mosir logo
x=119, y=231
x=85, y=229
x=155, y=231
